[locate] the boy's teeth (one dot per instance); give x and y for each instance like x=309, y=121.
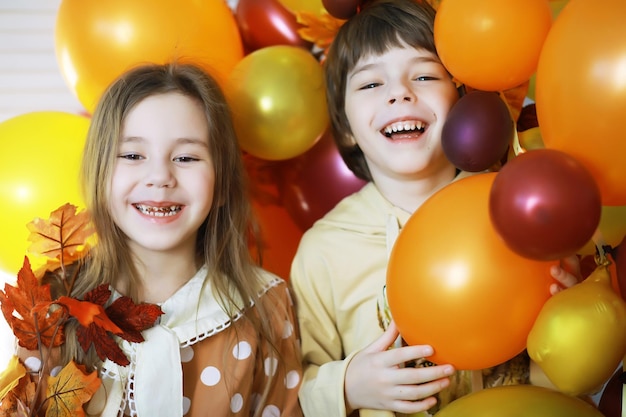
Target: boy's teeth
x=403, y=126
x=157, y=211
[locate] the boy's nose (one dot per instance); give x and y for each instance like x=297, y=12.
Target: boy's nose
x=405, y=98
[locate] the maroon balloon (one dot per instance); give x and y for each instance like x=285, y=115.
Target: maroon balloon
x=477, y=131
x=264, y=23
x=314, y=182
x=341, y=9
x=610, y=404
x=544, y=204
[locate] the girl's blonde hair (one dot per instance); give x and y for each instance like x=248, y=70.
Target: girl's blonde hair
x=224, y=237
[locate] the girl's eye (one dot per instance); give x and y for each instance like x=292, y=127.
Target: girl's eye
x=131, y=156
x=426, y=78
x=185, y=159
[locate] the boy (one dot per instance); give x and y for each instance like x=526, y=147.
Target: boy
x=388, y=96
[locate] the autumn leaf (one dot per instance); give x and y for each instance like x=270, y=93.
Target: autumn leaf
x=69, y=390
x=63, y=236
x=123, y=318
x=95, y=326
x=11, y=376
x=27, y=310
x=133, y=318
x=319, y=29
x=16, y=402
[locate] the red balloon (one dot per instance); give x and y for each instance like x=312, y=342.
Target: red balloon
x=341, y=9
x=545, y=204
x=267, y=23
x=311, y=184
x=477, y=131
x=279, y=234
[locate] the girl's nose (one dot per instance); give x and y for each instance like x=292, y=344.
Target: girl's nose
x=160, y=175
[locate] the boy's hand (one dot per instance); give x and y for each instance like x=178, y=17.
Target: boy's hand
x=567, y=274
x=376, y=378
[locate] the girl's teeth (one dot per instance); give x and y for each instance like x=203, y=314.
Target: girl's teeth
x=158, y=211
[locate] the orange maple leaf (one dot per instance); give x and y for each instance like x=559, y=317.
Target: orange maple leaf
x=27, y=310
x=69, y=390
x=64, y=236
x=17, y=402
x=319, y=29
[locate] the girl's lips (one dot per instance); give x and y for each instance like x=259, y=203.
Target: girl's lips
x=158, y=211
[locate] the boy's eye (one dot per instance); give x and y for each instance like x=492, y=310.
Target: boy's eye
x=369, y=85
x=426, y=78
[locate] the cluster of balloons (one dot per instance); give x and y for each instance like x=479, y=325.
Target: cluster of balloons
x=485, y=243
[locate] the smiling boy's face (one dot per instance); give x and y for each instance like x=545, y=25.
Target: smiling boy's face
x=397, y=104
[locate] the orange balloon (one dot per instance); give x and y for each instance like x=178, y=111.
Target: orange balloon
x=98, y=40
x=452, y=283
x=580, y=77
x=491, y=45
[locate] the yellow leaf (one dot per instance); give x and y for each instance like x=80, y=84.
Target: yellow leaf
x=11, y=376
x=64, y=236
x=69, y=390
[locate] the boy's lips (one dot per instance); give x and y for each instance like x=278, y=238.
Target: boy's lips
x=404, y=127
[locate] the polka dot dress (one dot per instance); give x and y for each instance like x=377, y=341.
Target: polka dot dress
x=231, y=374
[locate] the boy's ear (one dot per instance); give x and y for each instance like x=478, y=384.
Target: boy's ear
x=461, y=89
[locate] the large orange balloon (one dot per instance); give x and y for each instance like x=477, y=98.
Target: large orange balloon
x=98, y=40
x=581, y=77
x=491, y=45
x=453, y=283
x=39, y=166
x=279, y=103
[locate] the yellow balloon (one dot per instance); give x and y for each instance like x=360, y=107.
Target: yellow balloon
x=311, y=6
x=278, y=101
x=39, y=166
x=611, y=230
x=579, y=336
x=519, y=401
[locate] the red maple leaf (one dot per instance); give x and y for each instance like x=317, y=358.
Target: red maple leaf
x=133, y=318
x=27, y=309
x=123, y=318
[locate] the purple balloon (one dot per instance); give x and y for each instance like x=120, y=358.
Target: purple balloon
x=341, y=9
x=478, y=131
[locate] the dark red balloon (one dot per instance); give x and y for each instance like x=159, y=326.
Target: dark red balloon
x=314, y=182
x=545, y=204
x=267, y=23
x=341, y=9
x=477, y=131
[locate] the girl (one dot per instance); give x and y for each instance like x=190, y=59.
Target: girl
x=164, y=184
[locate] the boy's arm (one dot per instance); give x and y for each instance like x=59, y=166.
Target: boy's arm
x=322, y=389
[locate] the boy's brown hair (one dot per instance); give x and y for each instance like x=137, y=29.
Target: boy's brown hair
x=379, y=26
